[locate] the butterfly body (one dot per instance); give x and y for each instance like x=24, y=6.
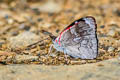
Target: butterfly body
x=79, y=39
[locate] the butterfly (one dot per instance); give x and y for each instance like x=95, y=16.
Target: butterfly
x=79, y=39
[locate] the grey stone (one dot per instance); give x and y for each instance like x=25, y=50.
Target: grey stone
x=10, y=21
x=50, y=6
x=20, y=58
x=22, y=40
x=110, y=49
x=111, y=33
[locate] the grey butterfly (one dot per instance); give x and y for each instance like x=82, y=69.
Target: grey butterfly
x=79, y=39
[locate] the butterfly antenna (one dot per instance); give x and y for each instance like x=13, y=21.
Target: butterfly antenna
x=52, y=37
x=46, y=33
x=37, y=42
x=50, y=34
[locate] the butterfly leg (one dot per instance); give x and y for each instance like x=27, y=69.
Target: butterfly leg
x=67, y=61
x=50, y=49
x=66, y=56
x=51, y=46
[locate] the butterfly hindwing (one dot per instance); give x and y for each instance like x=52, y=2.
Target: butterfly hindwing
x=79, y=40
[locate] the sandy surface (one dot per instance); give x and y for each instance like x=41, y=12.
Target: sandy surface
x=21, y=24
x=105, y=70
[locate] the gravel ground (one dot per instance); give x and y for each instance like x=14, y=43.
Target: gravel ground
x=21, y=24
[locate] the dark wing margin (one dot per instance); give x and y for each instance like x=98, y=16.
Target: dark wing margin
x=81, y=19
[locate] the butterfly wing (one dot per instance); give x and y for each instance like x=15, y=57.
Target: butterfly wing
x=79, y=40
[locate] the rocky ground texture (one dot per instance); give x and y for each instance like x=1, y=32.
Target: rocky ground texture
x=22, y=22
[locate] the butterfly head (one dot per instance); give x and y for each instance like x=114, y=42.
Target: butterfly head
x=56, y=40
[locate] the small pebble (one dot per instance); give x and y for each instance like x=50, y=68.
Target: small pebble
x=102, y=35
x=51, y=7
x=110, y=49
x=117, y=12
x=111, y=33
x=39, y=19
x=20, y=58
x=50, y=14
x=47, y=25
x=1, y=43
x=53, y=55
x=30, y=19
x=119, y=55
x=36, y=10
x=23, y=26
x=102, y=26
x=1, y=23
x=15, y=33
x=78, y=62
x=10, y=21
x=6, y=16
x=118, y=48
